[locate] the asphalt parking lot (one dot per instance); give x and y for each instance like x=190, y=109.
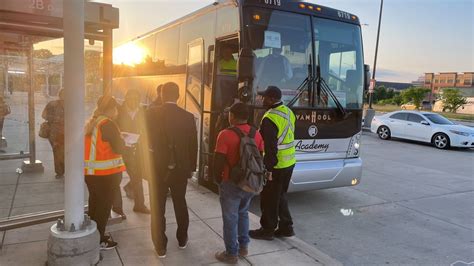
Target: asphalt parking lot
x=415, y=205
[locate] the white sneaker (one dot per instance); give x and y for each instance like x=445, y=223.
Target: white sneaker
x=108, y=245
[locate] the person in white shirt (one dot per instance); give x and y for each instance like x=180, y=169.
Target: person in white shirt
x=273, y=69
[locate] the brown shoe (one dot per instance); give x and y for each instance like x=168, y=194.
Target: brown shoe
x=226, y=258
x=243, y=252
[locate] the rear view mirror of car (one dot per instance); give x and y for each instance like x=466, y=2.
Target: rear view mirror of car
x=425, y=123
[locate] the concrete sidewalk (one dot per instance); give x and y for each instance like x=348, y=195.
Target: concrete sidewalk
x=29, y=193
x=27, y=246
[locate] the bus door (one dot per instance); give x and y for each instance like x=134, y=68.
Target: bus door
x=225, y=90
x=194, y=98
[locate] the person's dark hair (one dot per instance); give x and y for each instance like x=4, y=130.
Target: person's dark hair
x=170, y=92
x=159, y=88
x=240, y=111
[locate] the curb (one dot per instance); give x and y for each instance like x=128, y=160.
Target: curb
x=304, y=247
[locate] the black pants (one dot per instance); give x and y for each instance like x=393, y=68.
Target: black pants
x=135, y=184
x=2, y=120
x=101, y=195
x=274, y=203
x=158, y=191
x=58, y=155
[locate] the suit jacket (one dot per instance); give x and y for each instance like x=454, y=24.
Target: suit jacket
x=170, y=124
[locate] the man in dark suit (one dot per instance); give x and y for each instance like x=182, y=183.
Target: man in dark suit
x=173, y=140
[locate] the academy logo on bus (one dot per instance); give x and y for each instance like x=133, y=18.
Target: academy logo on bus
x=311, y=147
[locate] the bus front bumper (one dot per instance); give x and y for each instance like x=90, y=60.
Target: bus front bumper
x=312, y=175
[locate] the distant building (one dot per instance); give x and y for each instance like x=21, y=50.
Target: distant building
x=420, y=82
x=435, y=82
x=396, y=86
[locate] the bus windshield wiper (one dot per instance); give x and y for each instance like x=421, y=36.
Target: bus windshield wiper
x=307, y=81
x=322, y=85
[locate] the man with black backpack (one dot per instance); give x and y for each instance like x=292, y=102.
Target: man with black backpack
x=240, y=173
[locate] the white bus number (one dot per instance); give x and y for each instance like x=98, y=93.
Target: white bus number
x=273, y=2
x=343, y=15
x=41, y=5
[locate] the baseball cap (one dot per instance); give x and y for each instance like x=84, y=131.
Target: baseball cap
x=271, y=91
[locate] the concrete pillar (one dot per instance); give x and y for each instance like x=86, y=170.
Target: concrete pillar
x=32, y=165
x=74, y=241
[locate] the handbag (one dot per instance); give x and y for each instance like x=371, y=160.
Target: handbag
x=5, y=110
x=45, y=130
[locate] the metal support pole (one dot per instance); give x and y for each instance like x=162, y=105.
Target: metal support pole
x=31, y=107
x=60, y=80
x=108, y=63
x=74, y=112
x=376, y=52
x=46, y=85
x=32, y=165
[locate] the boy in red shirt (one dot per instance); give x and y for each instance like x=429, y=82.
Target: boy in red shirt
x=234, y=201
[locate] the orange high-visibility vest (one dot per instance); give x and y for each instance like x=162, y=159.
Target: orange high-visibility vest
x=100, y=159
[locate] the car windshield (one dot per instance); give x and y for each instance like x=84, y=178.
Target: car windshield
x=438, y=119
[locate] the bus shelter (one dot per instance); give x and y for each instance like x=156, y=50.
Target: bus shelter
x=25, y=24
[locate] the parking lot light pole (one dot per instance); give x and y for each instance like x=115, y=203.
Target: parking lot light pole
x=376, y=52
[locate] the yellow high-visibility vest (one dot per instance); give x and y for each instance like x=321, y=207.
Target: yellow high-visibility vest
x=284, y=119
x=228, y=67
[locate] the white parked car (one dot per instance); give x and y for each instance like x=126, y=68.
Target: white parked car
x=423, y=126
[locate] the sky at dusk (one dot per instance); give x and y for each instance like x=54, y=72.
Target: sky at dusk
x=417, y=36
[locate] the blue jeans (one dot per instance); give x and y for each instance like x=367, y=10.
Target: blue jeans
x=235, y=205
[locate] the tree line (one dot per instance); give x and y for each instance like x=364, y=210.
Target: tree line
x=451, y=97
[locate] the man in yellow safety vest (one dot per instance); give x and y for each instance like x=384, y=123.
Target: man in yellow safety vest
x=278, y=132
x=227, y=64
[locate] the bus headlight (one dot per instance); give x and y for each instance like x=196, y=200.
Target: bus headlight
x=353, y=150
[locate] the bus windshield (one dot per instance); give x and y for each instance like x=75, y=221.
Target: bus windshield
x=339, y=53
x=283, y=46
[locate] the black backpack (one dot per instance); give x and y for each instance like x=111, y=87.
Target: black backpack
x=249, y=172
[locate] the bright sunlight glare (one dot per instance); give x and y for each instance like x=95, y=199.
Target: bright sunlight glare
x=129, y=54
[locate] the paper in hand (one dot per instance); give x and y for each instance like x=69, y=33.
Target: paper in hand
x=130, y=138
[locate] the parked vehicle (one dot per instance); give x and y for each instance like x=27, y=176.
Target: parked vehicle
x=423, y=126
x=408, y=106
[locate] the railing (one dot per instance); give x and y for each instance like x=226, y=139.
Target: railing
x=40, y=218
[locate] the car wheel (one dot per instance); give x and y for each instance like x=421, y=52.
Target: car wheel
x=383, y=132
x=441, y=141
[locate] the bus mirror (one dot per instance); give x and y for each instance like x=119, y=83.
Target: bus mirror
x=245, y=65
x=366, y=77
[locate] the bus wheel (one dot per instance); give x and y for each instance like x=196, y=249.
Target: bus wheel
x=383, y=132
